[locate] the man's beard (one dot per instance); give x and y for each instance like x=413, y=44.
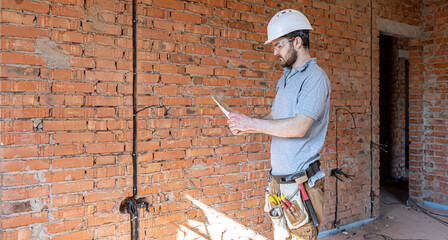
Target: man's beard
x=289, y=59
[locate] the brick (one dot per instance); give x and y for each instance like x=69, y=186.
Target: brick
x=75, y=12
x=206, y=10
x=74, y=37
x=16, y=126
x=64, y=226
x=168, y=176
x=9, y=208
x=181, y=164
x=106, y=184
x=226, y=72
x=24, y=138
x=72, y=187
x=18, y=100
x=16, y=166
x=163, y=123
x=104, y=172
x=183, y=133
x=176, y=154
x=61, y=150
x=73, y=112
x=27, y=6
x=19, y=179
x=105, y=76
x=186, y=17
x=199, y=70
x=199, y=152
x=24, y=220
x=102, y=219
x=227, y=150
x=17, y=72
x=64, y=125
x=170, y=218
x=19, y=152
x=176, y=101
x=103, y=29
x=25, y=32
x=55, y=22
x=102, y=196
x=199, y=29
x=21, y=58
x=73, y=100
x=104, y=101
x=60, y=176
x=84, y=234
x=104, y=231
x=175, y=79
x=104, y=148
x=24, y=193
x=25, y=113
x=172, y=4
x=185, y=143
x=18, y=18
x=67, y=200
x=73, y=87
x=24, y=233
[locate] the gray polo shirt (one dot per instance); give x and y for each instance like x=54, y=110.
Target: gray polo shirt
x=303, y=90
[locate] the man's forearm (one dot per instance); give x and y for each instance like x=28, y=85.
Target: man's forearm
x=288, y=127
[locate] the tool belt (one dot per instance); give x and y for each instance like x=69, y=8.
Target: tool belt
x=312, y=169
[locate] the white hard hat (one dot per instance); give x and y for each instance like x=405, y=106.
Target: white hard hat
x=286, y=21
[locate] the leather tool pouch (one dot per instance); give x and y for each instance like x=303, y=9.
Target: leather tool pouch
x=279, y=223
x=306, y=230
x=296, y=215
x=276, y=213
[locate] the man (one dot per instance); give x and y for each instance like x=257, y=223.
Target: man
x=298, y=120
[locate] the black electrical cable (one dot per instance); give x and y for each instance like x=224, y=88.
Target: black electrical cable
x=371, y=110
x=417, y=207
x=337, y=171
x=132, y=204
x=134, y=212
x=371, y=235
x=438, y=214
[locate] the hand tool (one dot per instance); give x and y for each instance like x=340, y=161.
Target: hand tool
x=273, y=200
x=284, y=205
x=286, y=201
x=300, y=179
x=279, y=200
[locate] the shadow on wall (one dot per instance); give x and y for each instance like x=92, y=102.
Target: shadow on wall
x=217, y=226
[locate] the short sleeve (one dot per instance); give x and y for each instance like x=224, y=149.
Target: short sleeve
x=313, y=95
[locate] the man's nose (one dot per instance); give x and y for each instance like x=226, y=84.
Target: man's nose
x=276, y=52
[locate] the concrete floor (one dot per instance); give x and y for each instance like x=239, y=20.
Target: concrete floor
x=397, y=221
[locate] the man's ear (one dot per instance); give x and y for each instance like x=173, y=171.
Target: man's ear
x=298, y=43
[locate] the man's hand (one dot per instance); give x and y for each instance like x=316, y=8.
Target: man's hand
x=240, y=123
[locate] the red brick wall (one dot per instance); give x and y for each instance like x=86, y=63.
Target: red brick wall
x=66, y=82
x=429, y=167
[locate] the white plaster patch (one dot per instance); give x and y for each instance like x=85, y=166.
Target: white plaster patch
x=53, y=55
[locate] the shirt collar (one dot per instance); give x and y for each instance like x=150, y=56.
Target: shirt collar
x=288, y=72
x=302, y=67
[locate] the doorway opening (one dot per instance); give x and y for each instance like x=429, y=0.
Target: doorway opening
x=394, y=116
